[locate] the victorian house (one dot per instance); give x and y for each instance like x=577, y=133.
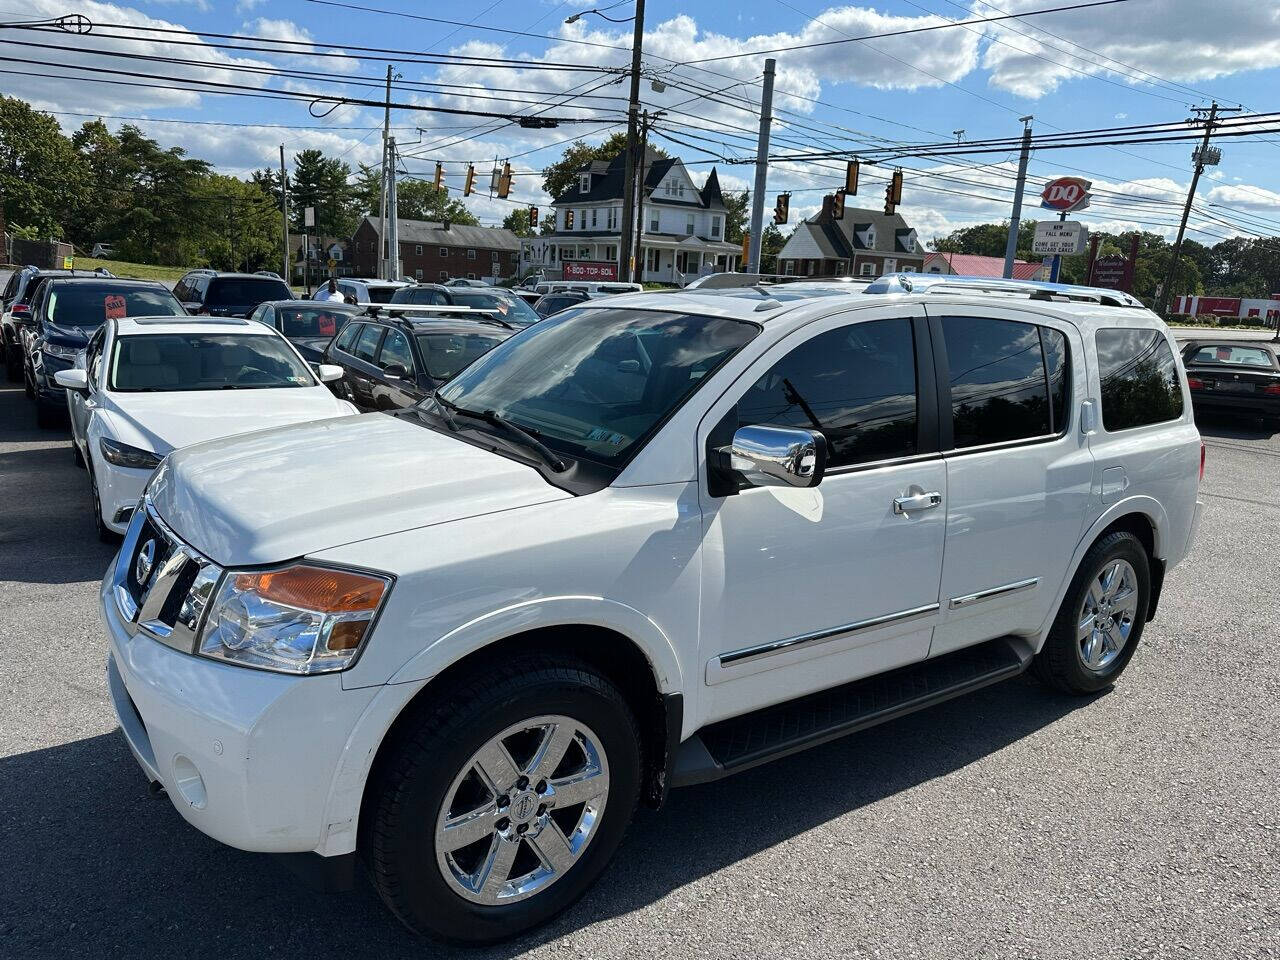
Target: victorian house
x=862, y=243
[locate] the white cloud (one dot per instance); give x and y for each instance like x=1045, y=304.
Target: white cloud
x=201, y=5
x=245, y=6
x=298, y=40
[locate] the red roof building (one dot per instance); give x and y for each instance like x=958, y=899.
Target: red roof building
x=973, y=265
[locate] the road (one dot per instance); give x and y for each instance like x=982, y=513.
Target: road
x=1012, y=823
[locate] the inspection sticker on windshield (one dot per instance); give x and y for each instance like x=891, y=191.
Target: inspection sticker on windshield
x=601, y=435
x=297, y=379
x=114, y=306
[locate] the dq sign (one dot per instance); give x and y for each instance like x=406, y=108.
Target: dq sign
x=1066, y=194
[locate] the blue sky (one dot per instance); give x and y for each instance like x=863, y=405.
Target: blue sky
x=1133, y=62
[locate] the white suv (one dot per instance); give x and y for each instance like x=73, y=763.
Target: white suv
x=647, y=542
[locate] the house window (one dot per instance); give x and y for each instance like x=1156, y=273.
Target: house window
x=417, y=249
x=688, y=224
x=651, y=258
x=789, y=267
x=811, y=267
x=611, y=253
x=417, y=274
x=584, y=183
x=444, y=251
x=907, y=269
x=582, y=219
x=493, y=256
x=611, y=218
x=653, y=222
x=471, y=254
x=715, y=227
x=471, y=276
x=444, y=275
x=594, y=213
x=866, y=269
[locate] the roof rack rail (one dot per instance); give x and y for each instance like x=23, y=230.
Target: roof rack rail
x=1033, y=289
x=478, y=314
x=192, y=318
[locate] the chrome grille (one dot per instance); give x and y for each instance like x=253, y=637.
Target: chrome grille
x=161, y=585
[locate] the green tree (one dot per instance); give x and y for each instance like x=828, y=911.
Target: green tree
x=43, y=181
x=237, y=228
x=517, y=221
x=557, y=177
x=988, y=240
x=323, y=183
x=163, y=200
x=737, y=208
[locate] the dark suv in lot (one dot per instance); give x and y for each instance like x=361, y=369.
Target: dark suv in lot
x=394, y=362
x=65, y=313
x=15, y=305
x=228, y=294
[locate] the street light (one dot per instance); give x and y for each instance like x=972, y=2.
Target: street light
x=582, y=13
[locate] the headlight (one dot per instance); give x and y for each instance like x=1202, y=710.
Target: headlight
x=123, y=455
x=58, y=350
x=301, y=619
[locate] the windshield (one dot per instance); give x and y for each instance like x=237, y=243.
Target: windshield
x=204, y=361
x=420, y=296
x=510, y=307
x=88, y=306
x=311, y=321
x=594, y=384
x=445, y=354
x=241, y=291
x=1233, y=356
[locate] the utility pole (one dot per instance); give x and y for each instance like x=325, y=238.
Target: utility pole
x=637, y=250
x=1011, y=245
x=626, y=266
x=762, y=170
x=1204, y=156
x=393, y=214
x=382, y=187
x=284, y=214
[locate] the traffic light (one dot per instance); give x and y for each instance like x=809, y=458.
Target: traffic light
x=504, y=181
x=889, y=205
x=439, y=180
x=533, y=217
x=837, y=205
x=568, y=219
x=851, y=178
x=471, y=179
x=896, y=184
x=782, y=208
x=746, y=246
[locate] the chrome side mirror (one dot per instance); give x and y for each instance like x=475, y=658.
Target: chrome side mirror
x=778, y=456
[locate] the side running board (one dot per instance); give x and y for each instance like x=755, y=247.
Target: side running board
x=742, y=742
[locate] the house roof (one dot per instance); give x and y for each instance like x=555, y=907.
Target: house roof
x=607, y=182
x=822, y=237
x=431, y=232
x=975, y=265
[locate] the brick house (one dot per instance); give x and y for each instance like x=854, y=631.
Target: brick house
x=434, y=252
x=864, y=243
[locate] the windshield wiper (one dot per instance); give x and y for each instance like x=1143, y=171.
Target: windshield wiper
x=547, y=455
x=444, y=406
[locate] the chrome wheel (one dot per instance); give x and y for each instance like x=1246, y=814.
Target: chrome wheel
x=1107, y=615
x=522, y=811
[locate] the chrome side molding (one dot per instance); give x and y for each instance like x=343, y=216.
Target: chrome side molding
x=1003, y=591
x=734, y=657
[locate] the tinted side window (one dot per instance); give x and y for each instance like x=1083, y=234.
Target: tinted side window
x=856, y=384
x=1139, y=378
x=1055, y=359
x=998, y=386
x=395, y=349
x=367, y=344
x=348, y=336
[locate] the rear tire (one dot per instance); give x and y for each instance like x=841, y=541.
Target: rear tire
x=46, y=415
x=1101, y=619
x=75, y=451
x=546, y=843
x=12, y=362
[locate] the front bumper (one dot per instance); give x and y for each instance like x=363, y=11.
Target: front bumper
x=119, y=489
x=246, y=756
x=44, y=368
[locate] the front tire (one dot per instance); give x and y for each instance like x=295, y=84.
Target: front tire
x=499, y=805
x=105, y=533
x=1101, y=619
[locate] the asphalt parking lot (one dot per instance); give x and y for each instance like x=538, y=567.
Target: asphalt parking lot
x=1014, y=823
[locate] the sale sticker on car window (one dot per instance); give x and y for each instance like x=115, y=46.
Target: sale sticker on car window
x=327, y=325
x=114, y=306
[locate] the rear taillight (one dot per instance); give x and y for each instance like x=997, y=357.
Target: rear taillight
x=1271, y=390
x=1201, y=459
x=1195, y=383
x=21, y=308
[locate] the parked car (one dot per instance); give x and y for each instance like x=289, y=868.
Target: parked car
x=65, y=313
x=422, y=295
x=397, y=362
x=1236, y=376
x=365, y=291
x=15, y=311
x=510, y=307
x=150, y=385
x=466, y=282
x=555, y=302
x=308, y=325
x=268, y=273
x=228, y=294
x=593, y=287
x=644, y=543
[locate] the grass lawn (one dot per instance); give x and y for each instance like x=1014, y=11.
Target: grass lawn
x=143, y=271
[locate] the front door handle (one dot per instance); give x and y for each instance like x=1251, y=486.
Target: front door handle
x=919, y=501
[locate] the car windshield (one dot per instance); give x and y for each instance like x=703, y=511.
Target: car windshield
x=204, y=361
x=510, y=308
x=239, y=291
x=595, y=383
x=447, y=353
x=88, y=305
x=311, y=321
x=1232, y=355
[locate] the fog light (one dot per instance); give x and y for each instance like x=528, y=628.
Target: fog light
x=189, y=782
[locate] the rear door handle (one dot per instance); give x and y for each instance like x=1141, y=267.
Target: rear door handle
x=919, y=501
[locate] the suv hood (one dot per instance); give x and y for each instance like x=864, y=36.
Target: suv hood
x=280, y=494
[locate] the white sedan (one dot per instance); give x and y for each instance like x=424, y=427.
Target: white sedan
x=147, y=385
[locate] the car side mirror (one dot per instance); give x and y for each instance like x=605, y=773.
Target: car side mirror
x=77, y=380
x=328, y=372
x=396, y=371
x=778, y=456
